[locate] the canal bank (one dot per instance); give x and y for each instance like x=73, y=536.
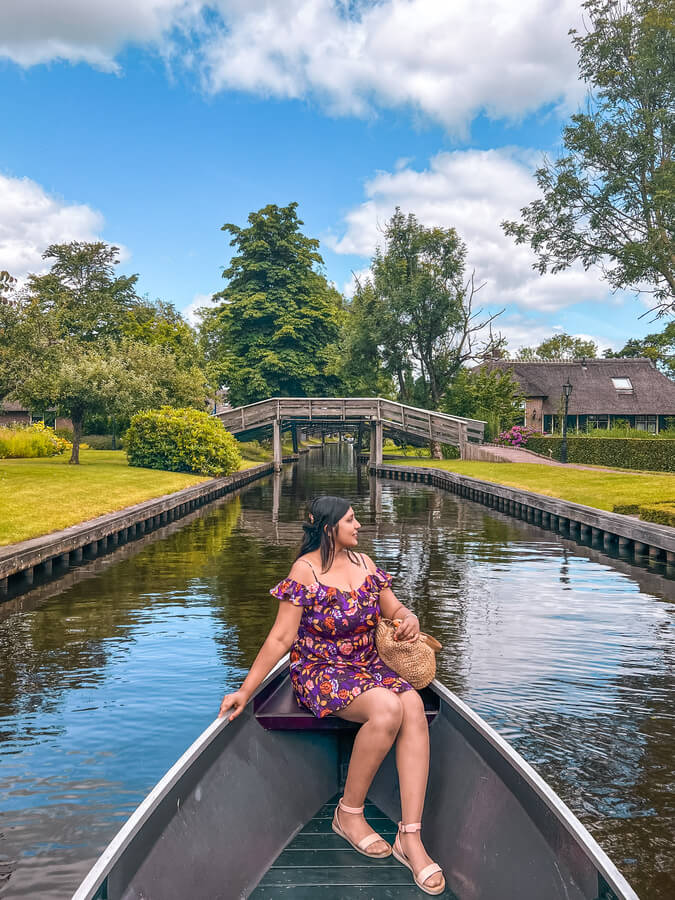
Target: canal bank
x=50, y=556
x=627, y=535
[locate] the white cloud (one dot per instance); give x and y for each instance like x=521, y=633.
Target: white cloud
x=39, y=31
x=199, y=300
x=445, y=60
x=472, y=190
x=522, y=330
x=31, y=220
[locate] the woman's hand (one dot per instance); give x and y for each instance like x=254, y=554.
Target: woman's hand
x=236, y=702
x=408, y=629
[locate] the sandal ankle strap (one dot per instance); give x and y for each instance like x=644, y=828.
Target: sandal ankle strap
x=415, y=826
x=350, y=809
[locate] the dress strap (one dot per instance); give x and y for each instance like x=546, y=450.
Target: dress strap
x=316, y=577
x=363, y=562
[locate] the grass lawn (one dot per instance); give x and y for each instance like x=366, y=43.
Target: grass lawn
x=601, y=489
x=42, y=495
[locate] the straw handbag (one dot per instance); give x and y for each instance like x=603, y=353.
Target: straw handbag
x=413, y=660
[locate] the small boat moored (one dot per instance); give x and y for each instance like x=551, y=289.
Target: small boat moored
x=245, y=812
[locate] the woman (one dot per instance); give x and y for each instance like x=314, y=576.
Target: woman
x=335, y=670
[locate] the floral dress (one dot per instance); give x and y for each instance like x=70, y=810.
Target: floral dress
x=334, y=657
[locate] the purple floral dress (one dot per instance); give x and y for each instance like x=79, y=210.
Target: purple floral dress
x=334, y=657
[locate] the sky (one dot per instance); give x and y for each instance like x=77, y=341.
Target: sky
x=151, y=123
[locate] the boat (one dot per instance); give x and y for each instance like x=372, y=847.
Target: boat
x=246, y=812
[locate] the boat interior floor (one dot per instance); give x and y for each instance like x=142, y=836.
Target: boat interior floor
x=319, y=865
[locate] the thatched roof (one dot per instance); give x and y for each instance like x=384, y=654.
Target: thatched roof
x=593, y=391
x=11, y=406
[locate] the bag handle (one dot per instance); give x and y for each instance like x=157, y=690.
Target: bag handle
x=428, y=639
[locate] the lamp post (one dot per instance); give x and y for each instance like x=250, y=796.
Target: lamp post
x=567, y=390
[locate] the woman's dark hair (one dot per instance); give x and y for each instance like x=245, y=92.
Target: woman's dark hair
x=324, y=514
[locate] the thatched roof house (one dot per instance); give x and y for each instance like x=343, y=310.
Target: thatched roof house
x=603, y=391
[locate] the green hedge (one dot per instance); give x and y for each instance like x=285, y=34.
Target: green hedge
x=181, y=440
x=653, y=454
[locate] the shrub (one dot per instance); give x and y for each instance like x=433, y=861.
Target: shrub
x=181, y=440
x=655, y=454
x=31, y=442
x=102, y=441
x=661, y=513
x=517, y=436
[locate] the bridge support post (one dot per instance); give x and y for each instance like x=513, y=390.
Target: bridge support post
x=276, y=440
x=294, y=438
x=376, y=443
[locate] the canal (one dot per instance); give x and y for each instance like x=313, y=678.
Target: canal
x=107, y=676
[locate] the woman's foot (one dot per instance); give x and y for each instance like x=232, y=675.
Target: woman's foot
x=417, y=856
x=356, y=828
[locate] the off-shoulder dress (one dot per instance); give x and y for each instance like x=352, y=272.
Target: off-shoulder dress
x=334, y=657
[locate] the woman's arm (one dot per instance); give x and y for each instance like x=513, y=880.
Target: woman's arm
x=276, y=645
x=392, y=608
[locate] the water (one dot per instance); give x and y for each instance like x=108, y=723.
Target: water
x=106, y=677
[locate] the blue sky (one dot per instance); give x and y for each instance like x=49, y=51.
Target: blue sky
x=151, y=123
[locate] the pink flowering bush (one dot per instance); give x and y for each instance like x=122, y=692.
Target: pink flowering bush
x=516, y=436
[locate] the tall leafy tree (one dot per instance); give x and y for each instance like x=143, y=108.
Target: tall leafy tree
x=362, y=370
x=560, y=346
x=425, y=321
x=160, y=324
x=609, y=201
x=276, y=328
x=63, y=344
x=659, y=347
x=86, y=300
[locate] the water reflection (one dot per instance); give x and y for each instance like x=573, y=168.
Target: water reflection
x=568, y=653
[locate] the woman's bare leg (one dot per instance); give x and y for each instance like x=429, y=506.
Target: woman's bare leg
x=380, y=711
x=412, y=761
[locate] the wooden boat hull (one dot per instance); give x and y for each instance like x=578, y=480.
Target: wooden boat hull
x=222, y=814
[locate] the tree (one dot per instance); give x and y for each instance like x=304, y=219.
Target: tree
x=659, y=347
x=425, y=321
x=491, y=395
x=160, y=324
x=560, y=346
x=7, y=284
x=81, y=292
x=80, y=379
x=362, y=371
x=276, y=329
x=62, y=344
x=609, y=201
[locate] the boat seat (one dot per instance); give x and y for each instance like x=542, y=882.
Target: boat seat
x=277, y=709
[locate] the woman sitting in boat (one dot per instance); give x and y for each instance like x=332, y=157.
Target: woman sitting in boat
x=330, y=604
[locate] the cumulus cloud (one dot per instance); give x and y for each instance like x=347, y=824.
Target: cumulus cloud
x=198, y=301
x=446, y=61
x=39, y=31
x=31, y=220
x=472, y=190
x=523, y=330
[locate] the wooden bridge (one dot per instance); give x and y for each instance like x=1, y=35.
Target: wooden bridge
x=282, y=413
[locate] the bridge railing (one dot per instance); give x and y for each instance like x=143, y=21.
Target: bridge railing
x=419, y=422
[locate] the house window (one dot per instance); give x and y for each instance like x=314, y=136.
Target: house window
x=623, y=385
x=597, y=422
x=646, y=423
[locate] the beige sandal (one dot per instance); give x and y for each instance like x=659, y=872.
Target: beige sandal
x=364, y=842
x=423, y=874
